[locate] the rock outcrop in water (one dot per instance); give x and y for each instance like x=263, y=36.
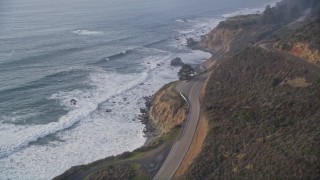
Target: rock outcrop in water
x=176, y=62
x=73, y=102
x=191, y=43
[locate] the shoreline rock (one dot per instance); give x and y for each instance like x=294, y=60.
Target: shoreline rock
x=150, y=129
x=73, y=102
x=191, y=43
x=176, y=62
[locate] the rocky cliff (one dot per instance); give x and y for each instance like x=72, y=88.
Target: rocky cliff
x=168, y=109
x=303, y=50
x=234, y=34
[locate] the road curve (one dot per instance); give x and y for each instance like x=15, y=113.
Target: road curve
x=180, y=147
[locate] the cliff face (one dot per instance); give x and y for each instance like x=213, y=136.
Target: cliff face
x=234, y=34
x=168, y=109
x=303, y=50
x=304, y=42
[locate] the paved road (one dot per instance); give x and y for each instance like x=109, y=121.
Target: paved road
x=179, y=149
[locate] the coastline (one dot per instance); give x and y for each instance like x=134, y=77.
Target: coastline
x=199, y=68
x=156, y=144
x=148, y=147
x=203, y=66
x=151, y=137
x=103, y=124
x=148, y=156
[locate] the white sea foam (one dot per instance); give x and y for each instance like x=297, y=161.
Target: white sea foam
x=136, y=49
x=194, y=57
x=244, y=12
x=87, y=32
x=87, y=102
x=182, y=20
x=198, y=28
x=96, y=130
x=186, y=31
x=18, y=116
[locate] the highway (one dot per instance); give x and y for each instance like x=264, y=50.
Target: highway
x=180, y=148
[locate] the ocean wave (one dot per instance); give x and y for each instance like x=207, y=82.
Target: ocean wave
x=94, y=128
x=198, y=27
x=182, y=20
x=87, y=32
x=120, y=54
x=186, y=31
x=87, y=102
x=130, y=50
x=244, y=11
x=155, y=43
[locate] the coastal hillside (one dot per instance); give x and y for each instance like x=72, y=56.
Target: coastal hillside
x=263, y=107
x=303, y=42
x=264, y=111
x=239, y=32
x=235, y=34
x=260, y=108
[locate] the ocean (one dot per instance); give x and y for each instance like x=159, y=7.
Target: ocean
x=73, y=74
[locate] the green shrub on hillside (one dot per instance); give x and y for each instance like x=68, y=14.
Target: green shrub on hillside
x=121, y=171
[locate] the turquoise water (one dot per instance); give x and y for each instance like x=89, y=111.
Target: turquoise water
x=105, y=54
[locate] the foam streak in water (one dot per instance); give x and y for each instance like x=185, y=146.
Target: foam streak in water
x=87, y=32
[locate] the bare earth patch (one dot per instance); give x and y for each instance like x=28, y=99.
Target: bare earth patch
x=298, y=82
x=195, y=148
